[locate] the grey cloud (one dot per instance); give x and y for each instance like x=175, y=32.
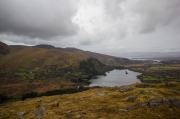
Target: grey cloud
x=37, y=18
x=146, y=15
x=155, y=13
x=114, y=7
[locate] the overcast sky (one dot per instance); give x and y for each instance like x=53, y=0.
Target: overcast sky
x=104, y=26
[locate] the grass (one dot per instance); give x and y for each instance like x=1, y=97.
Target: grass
x=25, y=75
x=152, y=78
x=160, y=72
x=89, y=105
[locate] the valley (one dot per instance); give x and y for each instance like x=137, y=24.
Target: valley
x=53, y=79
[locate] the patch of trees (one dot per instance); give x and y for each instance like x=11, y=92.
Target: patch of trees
x=93, y=67
x=173, y=61
x=4, y=98
x=53, y=92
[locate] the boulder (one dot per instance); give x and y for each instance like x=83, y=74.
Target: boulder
x=122, y=110
x=176, y=103
x=21, y=114
x=167, y=102
x=126, y=88
x=40, y=112
x=155, y=102
x=132, y=98
x=55, y=104
x=142, y=104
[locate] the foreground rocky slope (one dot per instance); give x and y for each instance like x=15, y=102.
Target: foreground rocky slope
x=141, y=101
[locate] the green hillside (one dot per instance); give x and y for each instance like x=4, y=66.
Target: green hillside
x=25, y=69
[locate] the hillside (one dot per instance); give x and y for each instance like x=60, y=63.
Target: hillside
x=106, y=59
x=4, y=49
x=25, y=69
x=136, y=101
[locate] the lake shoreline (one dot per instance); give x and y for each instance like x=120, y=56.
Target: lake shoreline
x=116, y=77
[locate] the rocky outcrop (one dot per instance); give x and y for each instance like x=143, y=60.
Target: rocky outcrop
x=40, y=112
x=132, y=98
x=143, y=85
x=168, y=102
x=21, y=114
x=126, y=89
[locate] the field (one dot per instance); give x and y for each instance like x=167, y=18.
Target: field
x=158, y=72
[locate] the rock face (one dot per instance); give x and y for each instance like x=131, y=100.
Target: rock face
x=40, y=112
x=155, y=102
x=21, y=114
x=176, y=102
x=4, y=49
x=126, y=89
x=143, y=85
x=168, y=102
x=132, y=98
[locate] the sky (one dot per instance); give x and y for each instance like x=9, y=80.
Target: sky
x=104, y=26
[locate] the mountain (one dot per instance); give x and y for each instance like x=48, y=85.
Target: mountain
x=106, y=59
x=42, y=68
x=157, y=55
x=44, y=46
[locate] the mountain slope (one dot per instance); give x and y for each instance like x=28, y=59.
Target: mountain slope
x=126, y=102
x=4, y=49
x=25, y=69
x=106, y=59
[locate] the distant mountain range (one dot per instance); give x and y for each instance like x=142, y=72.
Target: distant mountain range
x=159, y=55
x=106, y=59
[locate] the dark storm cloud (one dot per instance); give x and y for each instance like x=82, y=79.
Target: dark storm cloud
x=96, y=25
x=157, y=13
x=143, y=16
x=37, y=18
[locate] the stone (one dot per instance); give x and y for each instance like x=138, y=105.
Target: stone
x=122, y=110
x=167, y=102
x=155, y=102
x=176, y=103
x=67, y=112
x=132, y=98
x=142, y=104
x=101, y=94
x=78, y=116
x=55, y=104
x=21, y=114
x=132, y=107
x=126, y=89
x=40, y=112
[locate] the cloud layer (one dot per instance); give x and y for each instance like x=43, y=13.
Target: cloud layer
x=105, y=26
x=37, y=18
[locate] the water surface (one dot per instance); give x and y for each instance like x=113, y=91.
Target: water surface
x=115, y=78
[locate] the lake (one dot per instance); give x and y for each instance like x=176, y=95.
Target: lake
x=115, y=78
